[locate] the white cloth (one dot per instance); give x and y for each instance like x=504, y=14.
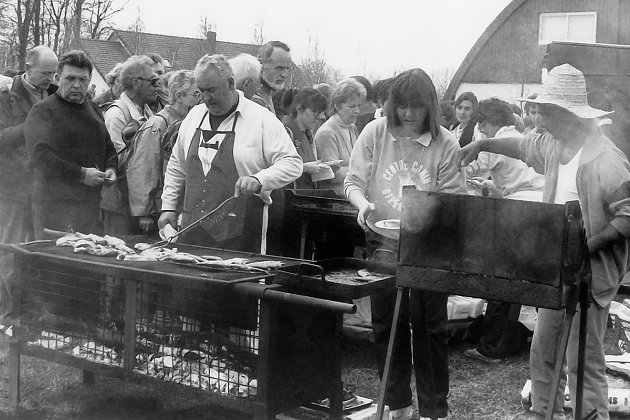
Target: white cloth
x=511, y=176
x=262, y=148
x=115, y=119
x=566, y=187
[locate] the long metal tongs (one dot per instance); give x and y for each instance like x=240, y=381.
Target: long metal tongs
x=170, y=239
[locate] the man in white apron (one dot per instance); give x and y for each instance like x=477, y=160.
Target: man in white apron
x=227, y=146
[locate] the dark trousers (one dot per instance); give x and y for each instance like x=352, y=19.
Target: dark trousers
x=422, y=345
x=502, y=335
x=79, y=216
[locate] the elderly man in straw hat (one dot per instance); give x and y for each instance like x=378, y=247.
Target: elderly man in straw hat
x=579, y=163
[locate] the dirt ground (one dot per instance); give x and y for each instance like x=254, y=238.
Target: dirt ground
x=478, y=390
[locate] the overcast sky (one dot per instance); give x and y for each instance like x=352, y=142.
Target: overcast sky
x=373, y=38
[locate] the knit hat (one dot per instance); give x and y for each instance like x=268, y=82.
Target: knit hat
x=565, y=87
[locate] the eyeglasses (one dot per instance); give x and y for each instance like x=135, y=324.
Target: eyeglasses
x=155, y=81
x=318, y=115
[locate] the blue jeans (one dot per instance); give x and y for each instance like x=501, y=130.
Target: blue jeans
x=542, y=357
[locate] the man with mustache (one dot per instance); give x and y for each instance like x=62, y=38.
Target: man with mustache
x=276, y=69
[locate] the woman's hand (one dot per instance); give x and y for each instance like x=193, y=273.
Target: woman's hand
x=312, y=167
x=468, y=153
x=364, y=211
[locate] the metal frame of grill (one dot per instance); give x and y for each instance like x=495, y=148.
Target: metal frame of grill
x=246, y=344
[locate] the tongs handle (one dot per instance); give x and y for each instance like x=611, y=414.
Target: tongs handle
x=315, y=266
x=168, y=240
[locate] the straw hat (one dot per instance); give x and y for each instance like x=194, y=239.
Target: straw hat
x=565, y=87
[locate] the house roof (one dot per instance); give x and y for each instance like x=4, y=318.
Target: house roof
x=104, y=54
x=481, y=42
x=181, y=52
x=231, y=49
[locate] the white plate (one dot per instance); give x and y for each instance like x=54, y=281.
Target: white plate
x=331, y=162
x=392, y=224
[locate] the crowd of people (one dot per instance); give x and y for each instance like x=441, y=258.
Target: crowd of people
x=164, y=148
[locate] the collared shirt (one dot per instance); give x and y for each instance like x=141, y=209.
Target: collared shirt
x=115, y=118
x=262, y=148
x=381, y=166
x=510, y=176
x=36, y=93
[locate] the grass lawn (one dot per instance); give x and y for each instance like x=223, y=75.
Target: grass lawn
x=478, y=390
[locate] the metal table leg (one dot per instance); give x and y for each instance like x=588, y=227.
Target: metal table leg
x=14, y=374
x=303, y=233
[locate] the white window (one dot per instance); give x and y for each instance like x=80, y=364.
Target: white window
x=576, y=27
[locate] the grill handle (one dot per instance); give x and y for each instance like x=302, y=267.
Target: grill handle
x=265, y=292
x=315, y=266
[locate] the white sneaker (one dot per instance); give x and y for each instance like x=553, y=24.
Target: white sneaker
x=401, y=414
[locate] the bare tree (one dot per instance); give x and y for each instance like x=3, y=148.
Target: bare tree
x=76, y=22
x=137, y=27
x=98, y=15
x=315, y=67
x=441, y=79
x=204, y=26
x=259, y=36
x=24, y=13
x=57, y=11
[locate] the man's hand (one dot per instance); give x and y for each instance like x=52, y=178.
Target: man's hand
x=93, y=177
x=146, y=224
x=166, y=218
x=364, y=211
x=110, y=176
x=468, y=153
x=247, y=185
x=312, y=167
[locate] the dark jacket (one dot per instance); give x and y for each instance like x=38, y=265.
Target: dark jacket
x=15, y=176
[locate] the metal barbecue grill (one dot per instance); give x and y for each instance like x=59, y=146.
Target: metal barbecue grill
x=247, y=344
x=508, y=250
x=322, y=210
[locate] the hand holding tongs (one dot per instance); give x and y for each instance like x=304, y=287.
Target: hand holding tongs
x=170, y=239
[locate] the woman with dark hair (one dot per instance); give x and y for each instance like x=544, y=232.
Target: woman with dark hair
x=304, y=107
x=501, y=335
x=464, y=128
x=511, y=178
x=408, y=147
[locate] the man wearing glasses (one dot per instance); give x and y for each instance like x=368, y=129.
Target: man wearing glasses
x=123, y=119
x=228, y=146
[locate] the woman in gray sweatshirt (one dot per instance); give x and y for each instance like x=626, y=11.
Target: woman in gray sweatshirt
x=406, y=147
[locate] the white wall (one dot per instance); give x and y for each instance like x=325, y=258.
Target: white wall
x=98, y=80
x=506, y=91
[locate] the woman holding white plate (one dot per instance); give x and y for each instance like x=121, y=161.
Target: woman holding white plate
x=408, y=147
